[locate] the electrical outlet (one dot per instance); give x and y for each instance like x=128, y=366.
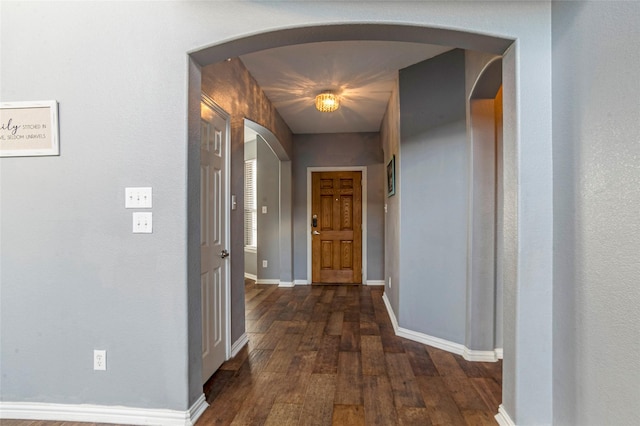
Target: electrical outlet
x=99, y=359
x=389, y=282
x=265, y=263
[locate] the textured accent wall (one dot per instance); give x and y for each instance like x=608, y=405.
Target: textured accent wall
x=231, y=86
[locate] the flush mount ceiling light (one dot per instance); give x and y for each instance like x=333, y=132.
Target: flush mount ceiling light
x=327, y=101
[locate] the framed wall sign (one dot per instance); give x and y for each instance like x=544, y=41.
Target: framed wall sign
x=391, y=176
x=29, y=129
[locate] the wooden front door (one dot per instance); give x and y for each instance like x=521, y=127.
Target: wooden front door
x=336, y=243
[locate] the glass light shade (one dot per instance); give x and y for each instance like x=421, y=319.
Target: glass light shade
x=327, y=102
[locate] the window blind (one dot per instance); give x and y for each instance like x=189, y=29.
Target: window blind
x=250, y=204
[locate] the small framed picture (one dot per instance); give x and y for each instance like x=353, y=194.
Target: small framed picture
x=29, y=129
x=391, y=176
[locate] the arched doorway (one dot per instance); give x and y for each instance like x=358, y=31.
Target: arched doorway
x=485, y=247
x=392, y=32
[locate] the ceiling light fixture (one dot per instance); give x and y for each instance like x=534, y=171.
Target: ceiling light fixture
x=327, y=101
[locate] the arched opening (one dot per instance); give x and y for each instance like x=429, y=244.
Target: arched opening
x=275, y=233
x=237, y=47
x=485, y=249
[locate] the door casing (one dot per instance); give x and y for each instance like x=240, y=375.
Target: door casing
x=363, y=170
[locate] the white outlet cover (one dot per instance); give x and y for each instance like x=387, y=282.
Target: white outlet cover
x=138, y=198
x=99, y=359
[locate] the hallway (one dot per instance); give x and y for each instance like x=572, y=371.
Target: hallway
x=328, y=355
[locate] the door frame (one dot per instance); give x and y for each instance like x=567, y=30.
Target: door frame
x=226, y=203
x=363, y=170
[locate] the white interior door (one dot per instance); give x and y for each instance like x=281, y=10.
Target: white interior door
x=213, y=238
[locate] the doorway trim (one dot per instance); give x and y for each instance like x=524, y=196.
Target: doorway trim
x=363, y=170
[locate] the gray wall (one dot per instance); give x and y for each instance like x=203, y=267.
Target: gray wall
x=390, y=136
x=438, y=160
x=73, y=276
x=340, y=149
x=433, y=216
x=96, y=284
x=268, y=194
x=596, y=136
x=251, y=263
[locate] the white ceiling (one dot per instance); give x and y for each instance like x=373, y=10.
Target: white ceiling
x=362, y=72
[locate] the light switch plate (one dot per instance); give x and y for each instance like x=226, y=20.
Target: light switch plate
x=142, y=222
x=264, y=209
x=138, y=198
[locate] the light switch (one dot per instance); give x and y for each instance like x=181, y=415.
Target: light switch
x=138, y=198
x=264, y=209
x=142, y=222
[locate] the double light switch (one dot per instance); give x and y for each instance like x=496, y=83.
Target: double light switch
x=140, y=198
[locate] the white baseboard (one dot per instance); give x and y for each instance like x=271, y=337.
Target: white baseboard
x=102, y=413
x=269, y=281
x=436, y=342
x=503, y=417
x=499, y=353
x=375, y=282
x=392, y=315
x=197, y=409
x=300, y=282
x=480, y=356
x=239, y=344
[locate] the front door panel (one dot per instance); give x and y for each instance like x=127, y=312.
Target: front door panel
x=337, y=237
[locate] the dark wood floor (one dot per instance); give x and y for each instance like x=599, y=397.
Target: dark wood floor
x=322, y=355
x=327, y=355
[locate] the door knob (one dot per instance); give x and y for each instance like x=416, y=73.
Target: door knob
x=316, y=233
x=224, y=253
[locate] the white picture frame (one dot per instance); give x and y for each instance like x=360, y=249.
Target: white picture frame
x=29, y=129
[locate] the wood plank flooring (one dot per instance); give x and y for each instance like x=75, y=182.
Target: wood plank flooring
x=327, y=355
